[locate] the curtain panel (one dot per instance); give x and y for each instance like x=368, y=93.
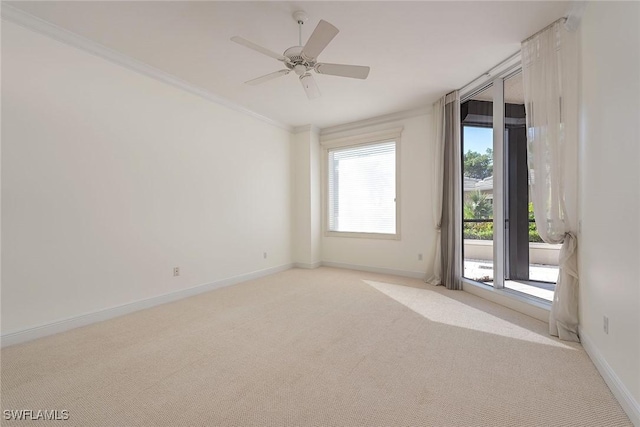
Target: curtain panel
x=434, y=272
x=446, y=262
x=549, y=70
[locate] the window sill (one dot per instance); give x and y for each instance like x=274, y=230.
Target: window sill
x=514, y=300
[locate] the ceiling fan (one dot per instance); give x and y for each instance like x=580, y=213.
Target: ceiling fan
x=302, y=59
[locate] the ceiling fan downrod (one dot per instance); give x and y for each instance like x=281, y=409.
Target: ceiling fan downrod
x=300, y=17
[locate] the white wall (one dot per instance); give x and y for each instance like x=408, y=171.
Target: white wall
x=416, y=222
x=111, y=178
x=305, y=149
x=301, y=235
x=315, y=196
x=609, y=251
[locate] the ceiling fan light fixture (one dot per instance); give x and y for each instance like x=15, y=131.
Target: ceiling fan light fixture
x=300, y=70
x=310, y=86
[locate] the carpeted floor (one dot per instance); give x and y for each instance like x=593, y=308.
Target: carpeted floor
x=312, y=347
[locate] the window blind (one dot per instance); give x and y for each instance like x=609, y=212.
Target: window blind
x=362, y=188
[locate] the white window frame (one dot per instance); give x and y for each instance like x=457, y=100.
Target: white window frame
x=495, y=80
x=330, y=143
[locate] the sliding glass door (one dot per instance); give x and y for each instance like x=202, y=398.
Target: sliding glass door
x=501, y=246
x=531, y=265
x=476, y=117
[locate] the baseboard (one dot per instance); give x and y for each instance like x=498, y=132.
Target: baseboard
x=307, y=265
x=29, y=334
x=404, y=273
x=619, y=390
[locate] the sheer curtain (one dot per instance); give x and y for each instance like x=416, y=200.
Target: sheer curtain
x=549, y=69
x=446, y=261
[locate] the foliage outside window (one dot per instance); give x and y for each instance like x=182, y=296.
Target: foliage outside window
x=475, y=208
x=478, y=166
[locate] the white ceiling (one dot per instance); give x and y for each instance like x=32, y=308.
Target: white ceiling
x=417, y=51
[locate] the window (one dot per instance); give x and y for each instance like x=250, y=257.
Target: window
x=361, y=190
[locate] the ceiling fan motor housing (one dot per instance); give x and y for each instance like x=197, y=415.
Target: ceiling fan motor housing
x=294, y=54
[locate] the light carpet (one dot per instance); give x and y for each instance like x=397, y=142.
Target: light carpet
x=312, y=348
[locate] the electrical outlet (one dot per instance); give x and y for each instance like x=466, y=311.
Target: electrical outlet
x=419, y=257
x=264, y=255
x=605, y=324
x=176, y=271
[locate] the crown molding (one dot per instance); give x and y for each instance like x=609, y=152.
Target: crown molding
x=393, y=117
x=306, y=128
x=33, y=23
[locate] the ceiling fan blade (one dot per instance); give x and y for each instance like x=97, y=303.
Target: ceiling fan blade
x=342, y=70
x=267, y=77
x=320, y=38
x=258, y=48
x=310, y=86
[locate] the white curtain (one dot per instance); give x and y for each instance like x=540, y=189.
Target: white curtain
x=549, y=69
x=434, y=274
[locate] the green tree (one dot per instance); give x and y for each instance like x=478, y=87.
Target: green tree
x=477, y=207
x=533, y=230
x=478, y=166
